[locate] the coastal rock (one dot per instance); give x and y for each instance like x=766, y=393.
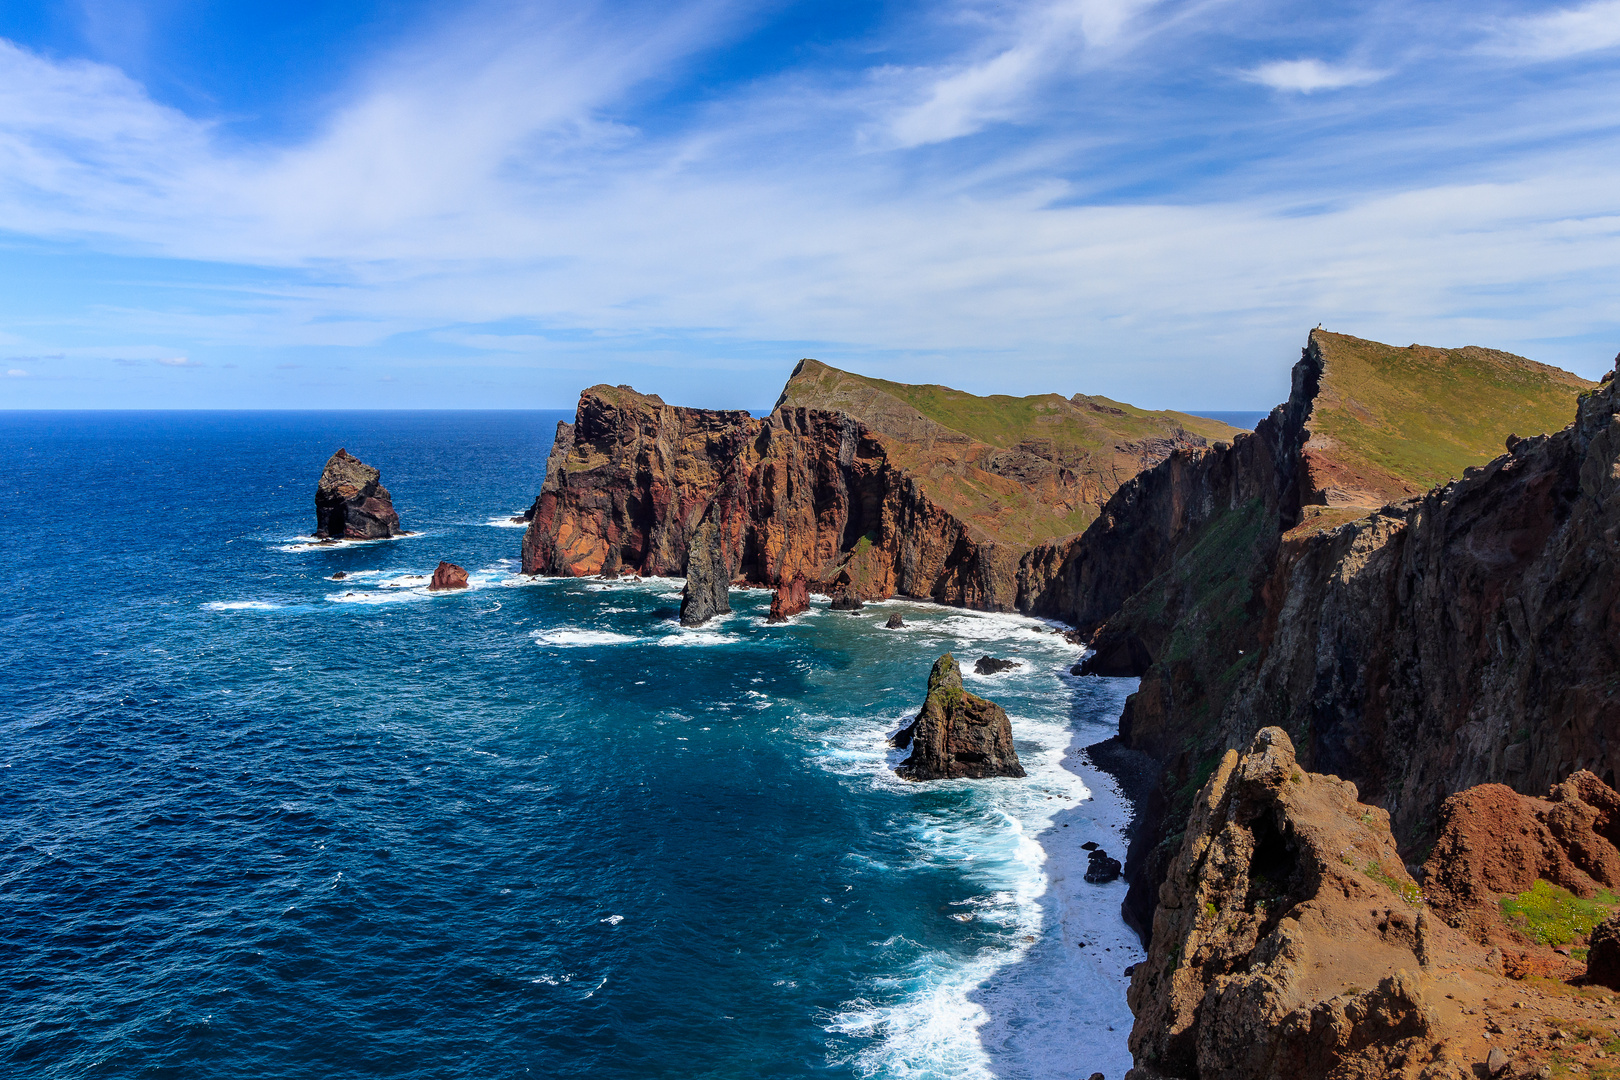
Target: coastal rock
x=895, y=622
x=351, y=503
x=708, y=579
x=789, y=600
x=527, y=515
x=957, y=734
x=1100, y=868
x=340, y=575
x=448, y=576
x=844, y=600
x=989, y=665
x=847, y=482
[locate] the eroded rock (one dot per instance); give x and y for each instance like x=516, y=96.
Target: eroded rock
x=845, y=600
x=448, y=576
x=990, y=665
x=351, y=503
x=708, y=578
x=957, y=734
x=789, y=600
x=895, y=622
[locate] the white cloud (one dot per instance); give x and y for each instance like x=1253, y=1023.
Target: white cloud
x=1566, y=32
x=177, y=361
x=1309, y=76
x=17, y=373
x=1041, y=42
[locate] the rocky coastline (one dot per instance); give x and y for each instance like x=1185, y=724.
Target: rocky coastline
x=1354, y=628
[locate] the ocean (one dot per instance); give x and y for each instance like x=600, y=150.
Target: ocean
x=258, y=822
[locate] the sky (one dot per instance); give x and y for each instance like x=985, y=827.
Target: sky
x=403, y=204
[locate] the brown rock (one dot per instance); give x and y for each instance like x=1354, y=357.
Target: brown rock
x=448, y=576
x=845, y=600
x=895, y=622
x=1603, y=953
x=351, y=503
x=957, y=734
x=789, y=600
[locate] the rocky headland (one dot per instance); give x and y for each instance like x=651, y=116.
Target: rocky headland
x=956, y=734
x=351, y=503
x=853, y=485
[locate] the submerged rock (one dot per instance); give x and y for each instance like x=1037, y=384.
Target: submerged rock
x=340, y=575
x=989, y=665
x=351, y=503
x=448, y=576
x=957, y=734
x=789, y=600
x=708, y=580
x=895, y=622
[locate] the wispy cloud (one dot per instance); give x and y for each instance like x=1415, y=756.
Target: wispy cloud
x=177, y=361
x=1308, y=76
x=1572, y=31
x=16, y=373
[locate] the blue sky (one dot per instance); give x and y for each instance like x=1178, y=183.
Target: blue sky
x=402, y=204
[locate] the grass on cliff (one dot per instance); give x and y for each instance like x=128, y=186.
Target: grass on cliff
x=1553, y=915
x=1423, y=415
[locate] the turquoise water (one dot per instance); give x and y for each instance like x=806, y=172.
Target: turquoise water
x=259, y=822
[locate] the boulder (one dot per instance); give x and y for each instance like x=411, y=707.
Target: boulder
x=789, y=600
x=1603, y=953
x=895, y=622
x=351, y=503
x=957, y=734
x=708, y=579
x=989, y=665
x=448, y=576
x=340, y=575
x=844, y=600
x=1100, y=869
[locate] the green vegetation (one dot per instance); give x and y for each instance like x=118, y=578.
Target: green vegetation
x=1403, y=889
x=1423, y=415
x=1555, y=916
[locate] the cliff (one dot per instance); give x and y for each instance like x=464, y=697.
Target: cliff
x=1249, y=585
x=1290, y=943
x=351, y=503
x=860, y=492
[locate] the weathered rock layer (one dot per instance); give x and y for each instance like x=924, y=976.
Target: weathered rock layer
x=351, y=503
x=957, y=734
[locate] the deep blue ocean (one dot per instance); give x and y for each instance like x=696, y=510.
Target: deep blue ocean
x=257, y=822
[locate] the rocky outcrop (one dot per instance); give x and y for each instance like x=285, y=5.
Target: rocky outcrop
x=895, y=622
x=1603, y=954
x=351, y=503
x=1101, y=868
x=990, y=665
x=957, y=734
x=844, y=599
x=448, y=576
x=1290, y=942
x=790, y=599
x=708, y=579
x=858, y=492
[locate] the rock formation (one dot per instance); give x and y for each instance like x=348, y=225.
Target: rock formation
x=895, y=622
x=990, y=665
x=1290, y=941
x=351, y=503
x=708, y=580
x=957, y=734
x=871, y=492
x=448, y=576
x=1101, y=868
x=844, y=599
x=790, y=599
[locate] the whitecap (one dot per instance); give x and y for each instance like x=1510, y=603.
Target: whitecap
x=574, y=638
x=506, y=522
x=698, y=637
x=297, y=544
x=241, y=605
x=612, y=920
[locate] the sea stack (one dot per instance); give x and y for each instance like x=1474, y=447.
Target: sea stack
x=895, y=622
x=957, y=735
x=351, y=503
x=790, y=599
x=844, y=600
x=707, y=578
x=448, y=576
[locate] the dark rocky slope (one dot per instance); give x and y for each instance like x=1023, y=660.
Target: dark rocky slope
x=351, y=503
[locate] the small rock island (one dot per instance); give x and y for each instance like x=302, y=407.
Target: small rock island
x=351, y=503
x=957, y=735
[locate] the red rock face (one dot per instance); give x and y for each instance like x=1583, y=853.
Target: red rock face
x=790, y=599
x=801, y=494
x=448, y=576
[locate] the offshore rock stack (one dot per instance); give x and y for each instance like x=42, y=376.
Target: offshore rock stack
x=351, y=503
x=957, y=734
